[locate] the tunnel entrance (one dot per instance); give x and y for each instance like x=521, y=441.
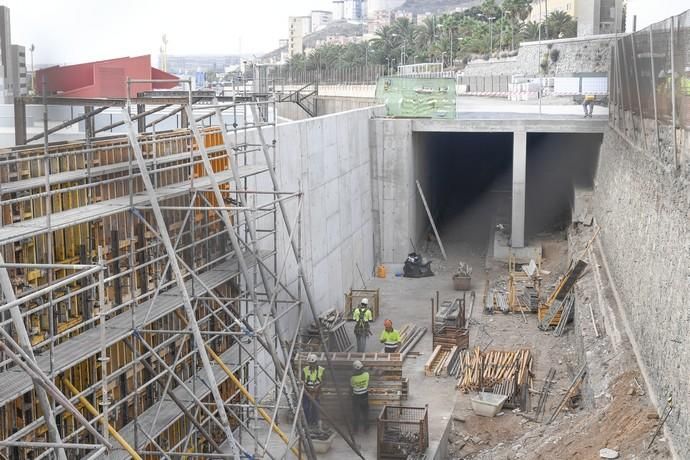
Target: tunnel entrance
x=467, y=180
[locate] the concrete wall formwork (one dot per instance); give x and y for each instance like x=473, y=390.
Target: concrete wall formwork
x=642, y=206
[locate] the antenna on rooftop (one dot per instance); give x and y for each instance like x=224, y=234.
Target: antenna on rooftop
x=164, y=53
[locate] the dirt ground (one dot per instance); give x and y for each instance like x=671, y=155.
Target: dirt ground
x=613, y=410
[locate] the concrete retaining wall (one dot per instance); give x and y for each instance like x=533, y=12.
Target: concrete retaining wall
x=585, y=54
x=325, y=159
x=325, y=105
x=643, y=208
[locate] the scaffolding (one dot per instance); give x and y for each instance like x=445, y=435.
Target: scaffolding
x=144, y=299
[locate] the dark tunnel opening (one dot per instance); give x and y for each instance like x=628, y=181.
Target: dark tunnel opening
x=468, y=180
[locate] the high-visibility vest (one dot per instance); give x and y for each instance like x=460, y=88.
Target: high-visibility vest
x=313, y=377
x=390, y=339
x=360, y=383
x=362, y=315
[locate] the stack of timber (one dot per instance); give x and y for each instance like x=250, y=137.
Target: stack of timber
x=385, y=380
x=332, y=323
x=443, y=362
x=503, y=372
x=549, y=314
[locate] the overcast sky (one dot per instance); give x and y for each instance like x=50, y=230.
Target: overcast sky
x=71, y=31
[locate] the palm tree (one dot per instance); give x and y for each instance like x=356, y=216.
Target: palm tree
x=426, y=35
x=560, y=25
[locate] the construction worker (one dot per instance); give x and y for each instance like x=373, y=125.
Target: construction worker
x=588, y=103
x=360, y=396
x=312, y=376
x=390, y=338
x=362, y=316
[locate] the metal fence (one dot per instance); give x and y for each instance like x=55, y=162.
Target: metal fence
x=486, y=84
x=291, y=75
x=649, y=87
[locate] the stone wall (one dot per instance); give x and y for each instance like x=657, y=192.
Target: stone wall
x=643, y=206
x=586, y=54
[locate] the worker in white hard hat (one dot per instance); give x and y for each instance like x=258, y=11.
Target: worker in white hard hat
x=360, y=396
x=362, y=316
x=312, y=376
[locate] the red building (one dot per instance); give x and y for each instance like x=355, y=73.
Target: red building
x=102, y=78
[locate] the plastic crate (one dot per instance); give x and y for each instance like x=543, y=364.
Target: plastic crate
x=402, y=431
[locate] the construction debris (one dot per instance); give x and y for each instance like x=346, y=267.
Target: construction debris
x=570, y=394
x=544, y=394
x=402, y=432
x=332, y=323
x=608, y=453
x=550, y=312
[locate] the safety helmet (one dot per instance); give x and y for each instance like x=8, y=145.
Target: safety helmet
x=357, y=365
x=388, y=323
x=311, y=359
x=365, y=301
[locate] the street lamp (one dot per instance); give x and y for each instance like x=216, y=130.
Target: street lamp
x=491, y=31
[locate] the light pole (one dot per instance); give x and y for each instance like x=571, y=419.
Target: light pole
x=541, y=81
x=491, y=34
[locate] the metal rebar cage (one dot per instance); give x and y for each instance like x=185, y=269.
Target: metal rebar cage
x=402, y=432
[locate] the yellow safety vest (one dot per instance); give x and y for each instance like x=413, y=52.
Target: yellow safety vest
x=363, y=314
x=313, y=377
x=390, y=339
x=360, y=383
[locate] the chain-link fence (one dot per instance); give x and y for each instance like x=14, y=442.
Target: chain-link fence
x=649, y=87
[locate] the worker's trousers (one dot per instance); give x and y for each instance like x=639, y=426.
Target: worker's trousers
x=311, y=412
x=360, y=411
x=361, y=343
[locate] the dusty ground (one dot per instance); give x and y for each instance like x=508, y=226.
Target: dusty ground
x=614, y=410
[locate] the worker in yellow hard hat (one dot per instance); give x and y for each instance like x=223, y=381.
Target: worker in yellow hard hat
x=312, y=376
x=362, y=316
x=390, y=338
x=360, y=396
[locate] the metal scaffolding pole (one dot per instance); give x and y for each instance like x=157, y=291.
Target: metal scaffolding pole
x=300, y=266
x=151, y=192
x=25, y=344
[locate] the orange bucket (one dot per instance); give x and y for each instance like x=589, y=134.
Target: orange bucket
x=380, y=271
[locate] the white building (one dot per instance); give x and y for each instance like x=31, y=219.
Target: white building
x=355, y=10
x=338, y=10
x=319, y=19
x=298, y=27
x=596, y=17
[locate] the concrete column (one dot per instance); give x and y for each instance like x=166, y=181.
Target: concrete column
x=141, y=121
x=519, y=177
x=19, y=121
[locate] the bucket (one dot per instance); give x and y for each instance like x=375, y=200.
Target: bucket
x=380, y=271
x=462, y=283
x=487, y=404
